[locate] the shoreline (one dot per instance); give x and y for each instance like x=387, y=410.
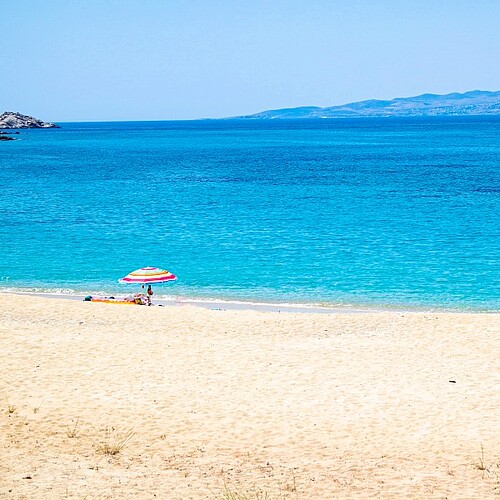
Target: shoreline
x=220, y=304
x=286, y=307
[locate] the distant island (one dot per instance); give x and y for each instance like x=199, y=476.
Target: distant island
x=9, y=120
x=476, y=102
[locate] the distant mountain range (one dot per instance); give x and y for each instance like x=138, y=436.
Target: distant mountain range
x=476, y=102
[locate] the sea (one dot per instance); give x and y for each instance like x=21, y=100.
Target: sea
x=376, y=214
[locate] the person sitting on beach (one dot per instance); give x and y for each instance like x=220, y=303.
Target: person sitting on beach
x=138, y=298
x=150, y=295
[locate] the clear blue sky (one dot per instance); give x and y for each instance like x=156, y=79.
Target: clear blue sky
x=85, y=60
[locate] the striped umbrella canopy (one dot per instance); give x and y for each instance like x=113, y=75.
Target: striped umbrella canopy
x=148, y=275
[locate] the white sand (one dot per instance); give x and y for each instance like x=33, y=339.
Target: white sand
x=315, y=406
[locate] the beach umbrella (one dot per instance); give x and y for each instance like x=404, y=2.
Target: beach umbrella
x=148, y=275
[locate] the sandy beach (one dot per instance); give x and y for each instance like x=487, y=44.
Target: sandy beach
x=115, y=401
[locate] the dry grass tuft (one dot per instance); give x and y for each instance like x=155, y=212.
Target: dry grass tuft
x=72, y=431
x=229, y=494
x=114, y=441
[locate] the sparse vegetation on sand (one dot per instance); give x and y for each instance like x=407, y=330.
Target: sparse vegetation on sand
x=72, y=429
x=113, y=440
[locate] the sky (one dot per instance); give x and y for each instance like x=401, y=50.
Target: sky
x=114, y=60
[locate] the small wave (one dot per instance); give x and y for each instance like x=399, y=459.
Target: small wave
x=318, y=306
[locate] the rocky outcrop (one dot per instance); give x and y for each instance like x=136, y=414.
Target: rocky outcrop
x=10, y=119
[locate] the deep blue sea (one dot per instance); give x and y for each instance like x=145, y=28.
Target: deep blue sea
x=383, y=213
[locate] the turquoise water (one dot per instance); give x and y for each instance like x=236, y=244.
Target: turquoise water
x=376, y=212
